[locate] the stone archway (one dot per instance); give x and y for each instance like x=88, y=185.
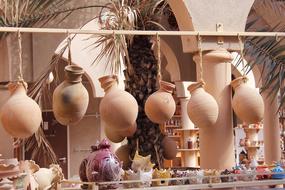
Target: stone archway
x=83, y=55
x=216, y=142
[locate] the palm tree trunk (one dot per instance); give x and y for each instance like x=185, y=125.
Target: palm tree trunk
x=141, y=81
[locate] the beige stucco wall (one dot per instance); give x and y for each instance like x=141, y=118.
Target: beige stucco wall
x=186, y=64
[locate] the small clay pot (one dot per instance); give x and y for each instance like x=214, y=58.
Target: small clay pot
x=21, y=116
x=70, y=98
x=160, y=106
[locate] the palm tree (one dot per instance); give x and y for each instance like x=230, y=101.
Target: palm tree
x=142, y=69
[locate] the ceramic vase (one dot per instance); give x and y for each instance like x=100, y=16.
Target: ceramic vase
x=247, y=103
x=21, y=116
x=202, y=108
x=70, y=98
x=160, y=106
x=169, y=148
x=118, y=108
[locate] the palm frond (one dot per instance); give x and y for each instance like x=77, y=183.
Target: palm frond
x=267, y=53
x=30, y=13
x=126, y=15
x=37, y=144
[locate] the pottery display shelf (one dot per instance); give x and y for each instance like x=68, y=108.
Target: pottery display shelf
x=189, y=148
x=237, y=184
x=169, y=130
x=251, y=142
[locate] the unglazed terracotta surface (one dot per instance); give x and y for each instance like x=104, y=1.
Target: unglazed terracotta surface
x=202, y=108
x=14, y=112
x=247, y=102
x=118, y=108
x=70, y=98
x=123, y=153
x=112, y=135
x=160, y=106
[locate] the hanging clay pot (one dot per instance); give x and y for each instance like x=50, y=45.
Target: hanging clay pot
x=21, y=116
x=123, y=153
x=118, y=108
x=202, y=108
x=70, y=98
x=169, y=148
x=247, y=102
x=112, y=135
x=129, y=132
x=160, y=106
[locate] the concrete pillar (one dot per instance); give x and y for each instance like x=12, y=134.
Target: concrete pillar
x=185, y=121
x=217, y=142
x=271, y=130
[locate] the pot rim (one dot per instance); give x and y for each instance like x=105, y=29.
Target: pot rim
x=167, y=86
x=192, y=87
x=75, y=69
x=238, y=81
x=107, y=81
x=108, y=78
x=12, y=86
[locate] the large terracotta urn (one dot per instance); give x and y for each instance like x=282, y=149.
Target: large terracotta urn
x=247, y=103
x=21, y=116
x=70, y=98
x=160, y=106
x=169, y=148
x=118, y=108
x=202, y=107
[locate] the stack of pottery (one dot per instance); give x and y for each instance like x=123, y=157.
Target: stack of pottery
x=202, y=108
x=247, y=102
x=118, y=109
x=14, y=112
x=160, y=106
x=70, y=98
